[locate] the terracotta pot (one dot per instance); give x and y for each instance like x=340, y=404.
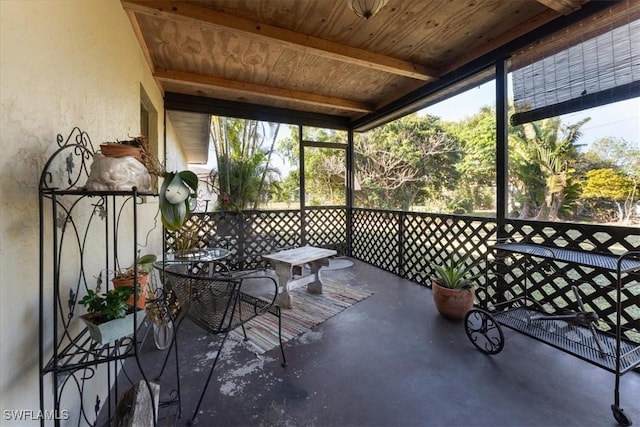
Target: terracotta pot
x=120, y=150
x=143, y=281
x=452, y=304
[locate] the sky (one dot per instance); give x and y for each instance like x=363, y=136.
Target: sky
x=620, y=120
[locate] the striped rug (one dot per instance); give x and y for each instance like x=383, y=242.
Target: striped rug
x=308, y=311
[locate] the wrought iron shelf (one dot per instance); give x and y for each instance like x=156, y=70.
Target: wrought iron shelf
x=83, y=352
x=627, y=263
x=81, y=234
x=573, y=339
x=83, y=192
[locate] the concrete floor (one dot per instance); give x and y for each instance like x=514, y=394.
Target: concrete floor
x=391, y=360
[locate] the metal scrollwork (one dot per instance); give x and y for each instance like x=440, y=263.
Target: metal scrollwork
x=71, y=303
x=70, y=163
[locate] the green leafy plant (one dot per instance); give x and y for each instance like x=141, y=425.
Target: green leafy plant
x=455, y=273
x=144, y=263
x=108, y=306
x=178, y=196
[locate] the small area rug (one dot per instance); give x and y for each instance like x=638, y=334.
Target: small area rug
x=308, y=310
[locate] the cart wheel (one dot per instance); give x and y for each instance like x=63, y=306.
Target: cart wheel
x=621, y=418
x=483, y=331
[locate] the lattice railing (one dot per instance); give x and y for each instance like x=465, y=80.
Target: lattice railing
x=376, y=238
x=327, y=228
x=410, y=243
x=250, y=234
x=432, y=239
x=549, y=282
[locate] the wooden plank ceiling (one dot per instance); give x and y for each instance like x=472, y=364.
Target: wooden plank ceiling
x=317, y=55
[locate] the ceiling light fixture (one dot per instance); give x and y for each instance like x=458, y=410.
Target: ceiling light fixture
x=366, y=8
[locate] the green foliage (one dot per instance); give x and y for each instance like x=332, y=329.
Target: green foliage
x=455, y=272
x=607, y=184
x=175, y=214
x=460, y=204
x=545, y=154
x=405, y=162
x=144, y=263
x=616, y=153
x=290, y=187
x=477, y=166
x=108, y=306
x=325, y=168
x=244, y=175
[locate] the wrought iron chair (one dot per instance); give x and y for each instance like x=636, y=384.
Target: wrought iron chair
x=217, y=302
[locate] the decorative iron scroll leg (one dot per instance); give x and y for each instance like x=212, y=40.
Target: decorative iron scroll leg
x=284, y=358
x=194, y=420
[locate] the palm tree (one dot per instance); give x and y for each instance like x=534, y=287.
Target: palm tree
x=244, y=175
x=549, y=150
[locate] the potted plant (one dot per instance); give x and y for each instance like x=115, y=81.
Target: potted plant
x=178, y=193
x=109, y=316
x=452, y=287
x=125, y=278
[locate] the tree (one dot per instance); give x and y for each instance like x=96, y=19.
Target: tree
x=477, y=168
x=244, y=176
x=549, y=149
x=615, y=153
x=405, y=161
x=612, y=185
x=324, y=167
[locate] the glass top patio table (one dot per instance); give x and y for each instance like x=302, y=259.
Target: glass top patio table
x=198, y=254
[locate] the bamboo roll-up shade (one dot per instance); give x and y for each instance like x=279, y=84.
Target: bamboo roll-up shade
x=600, y=68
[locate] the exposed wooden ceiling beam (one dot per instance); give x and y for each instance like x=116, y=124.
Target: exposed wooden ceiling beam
x=294, y=40
x=564, y=7
x=268, y=91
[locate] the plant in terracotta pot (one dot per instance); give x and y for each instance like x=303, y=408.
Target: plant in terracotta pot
x=178, y=193
x=125, y=278
x=109, y=316
x=452, y=287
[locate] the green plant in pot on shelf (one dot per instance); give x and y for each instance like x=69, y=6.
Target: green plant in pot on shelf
x=453, y=288
x=178, y=193
x=125, y=278
x=109, y=316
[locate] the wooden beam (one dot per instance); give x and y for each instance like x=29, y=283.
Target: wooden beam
x=308, y=44
x=564, y=7
x=268, y=91
x=503, y=39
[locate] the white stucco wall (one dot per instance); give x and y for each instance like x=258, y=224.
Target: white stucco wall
x=62, y=64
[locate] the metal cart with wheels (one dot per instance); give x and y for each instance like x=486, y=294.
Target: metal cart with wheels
x=576, y=331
